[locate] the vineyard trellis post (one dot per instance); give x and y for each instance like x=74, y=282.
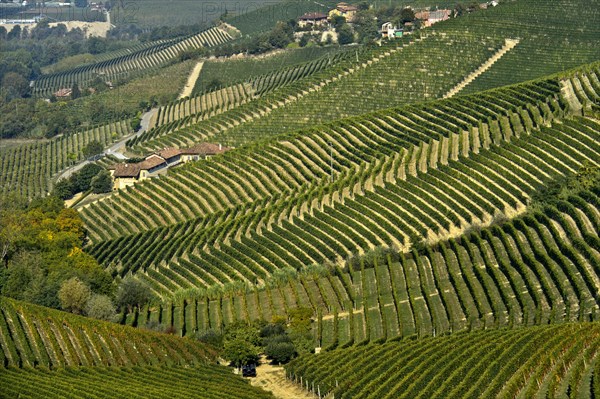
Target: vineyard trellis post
x=331, y=162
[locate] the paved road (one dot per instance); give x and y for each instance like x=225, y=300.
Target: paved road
x=116, y=149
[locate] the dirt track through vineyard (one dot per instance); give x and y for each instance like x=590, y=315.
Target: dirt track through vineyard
x=191, y=82
x=272, y=378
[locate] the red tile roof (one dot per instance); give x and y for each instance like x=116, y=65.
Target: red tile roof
x=63, y=93
x=159, y=158
x=127, y=170
x=313, y=16
x=152, y=162
x=168, y=153
x=134, y=169
x=345, y=7
x=206, y=149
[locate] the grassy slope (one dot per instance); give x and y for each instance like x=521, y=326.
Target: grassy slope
x=163, y=85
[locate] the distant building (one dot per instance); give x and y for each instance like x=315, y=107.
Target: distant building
x=429, y=18
x=389, y=31
x=315, y=19
x=63, y=94
x=345, y=10
x=158, y=163
x=439, y=16
x=422, y=15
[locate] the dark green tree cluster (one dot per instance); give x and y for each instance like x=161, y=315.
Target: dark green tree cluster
x=132, y=294
x=559, y=189
x=91, y=176
x=279, y=37
x=242, y=344
x=277, y=344
x=24, y=54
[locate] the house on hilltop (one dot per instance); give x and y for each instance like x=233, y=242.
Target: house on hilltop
x=389, y=31
x=429, y=18
x=127, y=174
x=345, y=10
x=158, y=163
x=314, y=19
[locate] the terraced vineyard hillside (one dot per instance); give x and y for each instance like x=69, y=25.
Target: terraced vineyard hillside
x=32, y=336
x=190, y=111
x=167, y=382
x=424, y=69
x=357, y=85
x=234, y=70
x=395, y=75
x=395, y=199
x=549, y=361
x=554, y=36
x=437, y=240
x=29, y=169
x=535, y=269
x=46, y=353
x=355, y=143
x=135, y=61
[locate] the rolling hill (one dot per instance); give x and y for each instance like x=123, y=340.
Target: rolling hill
x=52, y=354
x=548, y=361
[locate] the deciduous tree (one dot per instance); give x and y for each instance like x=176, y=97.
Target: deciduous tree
x=131, y=293
x=74, y=295
x=102, y=183
x=100, y=307
x=240, y=352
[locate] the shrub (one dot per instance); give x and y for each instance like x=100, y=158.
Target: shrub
x=210, y=337
x=345, y=34
x=272, y=330
x=132, y=293
x=100, y=307
x=101, y=183
x=281, y=352
x=83, y=178
x=240, y=352
x=93, y=148
x=64, y=189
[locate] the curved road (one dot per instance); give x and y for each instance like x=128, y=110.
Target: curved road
x=116, y=149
